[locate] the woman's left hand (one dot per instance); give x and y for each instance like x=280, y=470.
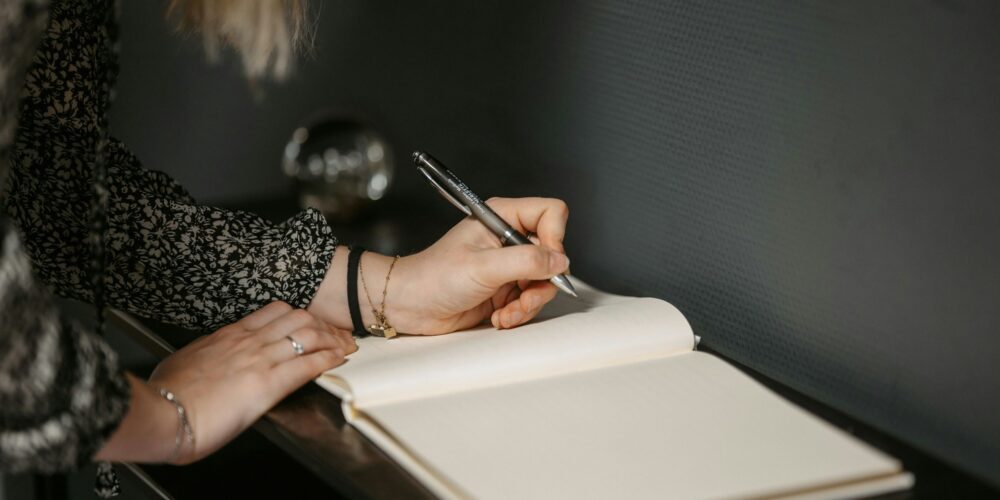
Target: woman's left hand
x=465, y=277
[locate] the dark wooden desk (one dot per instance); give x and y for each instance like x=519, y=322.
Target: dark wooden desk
x=303, y=448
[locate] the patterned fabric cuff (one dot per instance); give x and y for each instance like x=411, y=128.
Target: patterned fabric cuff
x=305, y=264
x=109, y=397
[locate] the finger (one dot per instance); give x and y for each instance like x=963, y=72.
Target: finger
x=496, y=302
x=288, y=323
x=346, y=339
x=546, y=217
x=527, y=306
x=535, y=297
x=499, y=266
x=506, y=295
x=311, y=339
x=511, y=296
x=514, y=294
x=295, y=373
x=264, y=315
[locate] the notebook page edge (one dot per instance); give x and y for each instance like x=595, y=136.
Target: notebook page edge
x=437, y=483
x=378, y=372
x=864, y=488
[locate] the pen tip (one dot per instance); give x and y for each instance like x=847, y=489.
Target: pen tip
x=563, y=283
x=416, y=157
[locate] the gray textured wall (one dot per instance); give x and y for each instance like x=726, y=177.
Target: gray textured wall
x=814, y=184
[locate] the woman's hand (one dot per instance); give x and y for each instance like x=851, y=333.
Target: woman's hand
x=463, y=278
x=467, y=276
x=226, y=381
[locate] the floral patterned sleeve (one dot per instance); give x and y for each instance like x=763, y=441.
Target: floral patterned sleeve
x=198, y=266
x=61, y=391
x=166, y=256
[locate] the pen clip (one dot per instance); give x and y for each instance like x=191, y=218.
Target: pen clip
x=444, y=192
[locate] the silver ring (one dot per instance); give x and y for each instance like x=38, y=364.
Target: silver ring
x=296, y=345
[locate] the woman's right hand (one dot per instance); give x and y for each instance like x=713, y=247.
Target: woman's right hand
x=226, y=381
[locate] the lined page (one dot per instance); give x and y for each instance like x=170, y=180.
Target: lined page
x=686, y=426
x=572, y=334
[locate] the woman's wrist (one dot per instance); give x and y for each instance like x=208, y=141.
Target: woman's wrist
x=330, y=302
x=375, y=268
x=184, y=441
x=148, y=432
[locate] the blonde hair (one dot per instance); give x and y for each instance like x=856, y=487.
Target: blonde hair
x=265, y=33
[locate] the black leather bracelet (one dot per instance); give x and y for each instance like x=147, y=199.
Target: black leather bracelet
x=353, y=260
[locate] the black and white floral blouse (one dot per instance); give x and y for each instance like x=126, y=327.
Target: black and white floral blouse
x=150, y=249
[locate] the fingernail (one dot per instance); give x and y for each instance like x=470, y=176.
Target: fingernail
x=515, y=317
x=558, y=262
x=535, y=302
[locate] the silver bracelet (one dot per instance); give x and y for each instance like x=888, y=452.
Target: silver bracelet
x=183, y=425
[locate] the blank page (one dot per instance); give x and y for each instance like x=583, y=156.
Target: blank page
x=687, y=426
x=597, y=330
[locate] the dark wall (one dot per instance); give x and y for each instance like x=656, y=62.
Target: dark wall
x=443, y=76
x=814, y=184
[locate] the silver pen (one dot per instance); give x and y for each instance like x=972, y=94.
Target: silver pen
x=455, y=191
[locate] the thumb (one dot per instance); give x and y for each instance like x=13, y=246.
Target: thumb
x=498, y=266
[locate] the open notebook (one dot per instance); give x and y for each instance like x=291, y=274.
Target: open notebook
x=602, y=397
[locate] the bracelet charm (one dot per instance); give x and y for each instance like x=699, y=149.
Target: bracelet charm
x=382, y=331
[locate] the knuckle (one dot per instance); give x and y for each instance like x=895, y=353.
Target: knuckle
x=279, y=305
x=560, y=207
x=531, y=259
x=301, y=315
x=229, y=331
x=307, y=336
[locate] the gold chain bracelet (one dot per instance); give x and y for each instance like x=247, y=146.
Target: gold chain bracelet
x=381, y=328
